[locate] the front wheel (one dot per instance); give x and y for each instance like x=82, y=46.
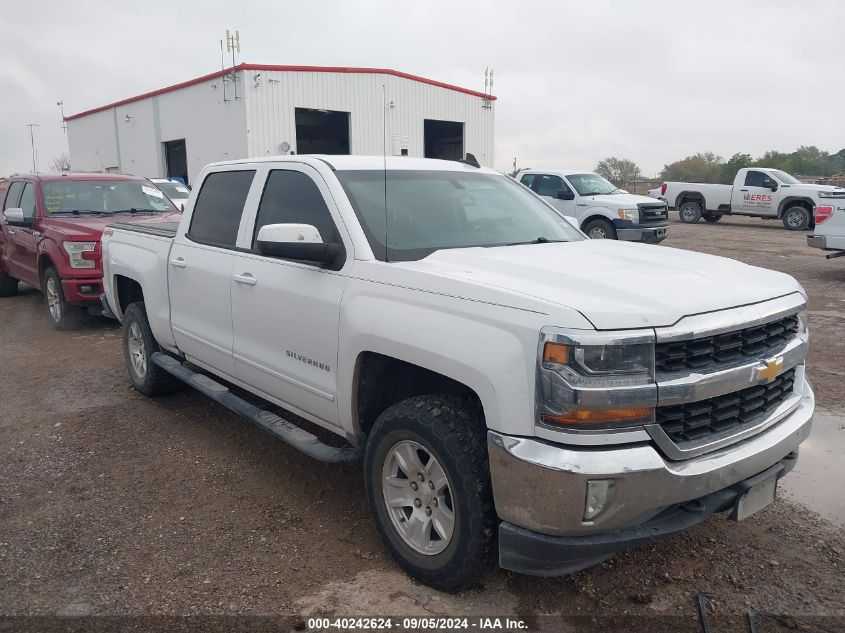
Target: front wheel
x=690, y=212
x=428, y=487
x=64, y=315
x=600, y=229
x=796, y=218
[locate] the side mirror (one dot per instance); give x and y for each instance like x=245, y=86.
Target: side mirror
x=296, y=241
x=15, y=216
x=564, y=194
x=774, y=186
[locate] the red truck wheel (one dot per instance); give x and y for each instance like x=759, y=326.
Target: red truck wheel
x=65, y=316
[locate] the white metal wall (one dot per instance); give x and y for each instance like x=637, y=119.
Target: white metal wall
x=213, y=130
x=128, y=138
x=273, y=97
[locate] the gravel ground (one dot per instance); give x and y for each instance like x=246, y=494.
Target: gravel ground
x=115, y=504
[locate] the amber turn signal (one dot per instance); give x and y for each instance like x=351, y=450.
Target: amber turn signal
x=600, y=416
x=556, y=353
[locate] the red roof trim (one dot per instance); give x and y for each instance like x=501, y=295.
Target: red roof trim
x=269, y=68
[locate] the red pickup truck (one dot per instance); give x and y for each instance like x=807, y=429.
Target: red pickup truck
x=51, y=230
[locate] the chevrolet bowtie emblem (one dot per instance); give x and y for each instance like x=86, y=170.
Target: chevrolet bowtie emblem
x=769, y=370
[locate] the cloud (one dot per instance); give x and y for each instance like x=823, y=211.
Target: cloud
x=652, y=81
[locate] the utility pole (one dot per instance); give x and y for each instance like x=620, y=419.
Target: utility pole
x=32, y=141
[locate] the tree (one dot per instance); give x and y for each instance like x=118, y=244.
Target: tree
x=701, y=167
x=60, y=163
x=734, y=164
x=619, y=171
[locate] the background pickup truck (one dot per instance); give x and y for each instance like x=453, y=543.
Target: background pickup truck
x=512, y=396
x=51, y=230
x=601, y=209
x=757, y=192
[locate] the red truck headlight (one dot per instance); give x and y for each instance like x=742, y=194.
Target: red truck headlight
x=81, y=254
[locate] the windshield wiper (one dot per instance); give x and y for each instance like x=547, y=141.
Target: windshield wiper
x=594, y=193
x=78, y=212
x=539, y=240
x=134, y=210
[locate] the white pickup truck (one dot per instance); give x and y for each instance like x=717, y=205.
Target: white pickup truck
x=600, y=208
x=757, y=192
x=829, y=234
x=517, y=392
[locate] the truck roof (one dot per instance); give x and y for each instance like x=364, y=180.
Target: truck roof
x=365, y=163
x=565, y=172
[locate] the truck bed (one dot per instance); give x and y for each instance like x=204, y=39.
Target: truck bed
x=161, y=229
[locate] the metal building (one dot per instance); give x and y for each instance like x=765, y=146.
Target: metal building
x=258, y=110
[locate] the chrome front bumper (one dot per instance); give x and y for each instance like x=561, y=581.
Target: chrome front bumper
x=542, y=486
x=650, y=235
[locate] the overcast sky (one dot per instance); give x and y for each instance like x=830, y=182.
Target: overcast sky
x=652, y=81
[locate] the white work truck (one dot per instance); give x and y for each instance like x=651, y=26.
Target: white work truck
x=757, y=192
x=516, y=392
x=600, y=208
x=829, y=234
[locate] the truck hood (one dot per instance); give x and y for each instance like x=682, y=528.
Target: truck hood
x=89, y=228
x=807, y=187
x=614, y=285
x=618, y=200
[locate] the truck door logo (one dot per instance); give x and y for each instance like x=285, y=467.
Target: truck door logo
x=308, y=361
x=758, y=199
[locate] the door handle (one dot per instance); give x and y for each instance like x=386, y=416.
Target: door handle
x=247, y=279
x=179, y=262
x=743, y=189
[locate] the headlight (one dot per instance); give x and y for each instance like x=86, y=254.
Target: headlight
x=596, y=380
x=629, y=214
x=75, y=251
x=831, y=194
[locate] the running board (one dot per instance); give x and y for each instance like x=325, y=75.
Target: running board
x=286, y=431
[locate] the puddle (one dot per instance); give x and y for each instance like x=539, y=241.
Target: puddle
x=818, y=480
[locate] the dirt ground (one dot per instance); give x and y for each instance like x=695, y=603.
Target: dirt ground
x=115, y=504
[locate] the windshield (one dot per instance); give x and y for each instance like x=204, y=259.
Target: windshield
x=591, y=184
x=784, y=177
x=174, y=190
x=433, y=210
x=97, y=197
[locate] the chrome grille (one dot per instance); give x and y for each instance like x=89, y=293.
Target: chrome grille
x=724, y=348
x=653, y=213
x=695, y=421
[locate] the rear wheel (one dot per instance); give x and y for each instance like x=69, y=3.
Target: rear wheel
x=690, y=212
x=8, y=285
x=64, y=315
x=600, y=229
x=428, y=487
x=712, y=217
x=796, y=218
x=139, y=345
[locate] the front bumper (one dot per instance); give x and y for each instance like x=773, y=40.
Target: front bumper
x=85, y=290
x=650, y=234
x=529, y=552
x=542, y=487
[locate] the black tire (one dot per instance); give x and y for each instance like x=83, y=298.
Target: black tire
x=690, y=212
x=600, y=229
x=8, y=285
x=712, y=218
x=796, y=218
x=63, y=315
x=452, y=430
x=154, y=380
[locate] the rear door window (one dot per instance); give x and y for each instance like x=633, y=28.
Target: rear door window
x=219, y=206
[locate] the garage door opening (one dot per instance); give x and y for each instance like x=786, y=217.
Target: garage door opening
x=321, y=131
x=443, y=139
x=176, y=159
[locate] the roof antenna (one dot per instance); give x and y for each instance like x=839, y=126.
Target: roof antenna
x=470, y=160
